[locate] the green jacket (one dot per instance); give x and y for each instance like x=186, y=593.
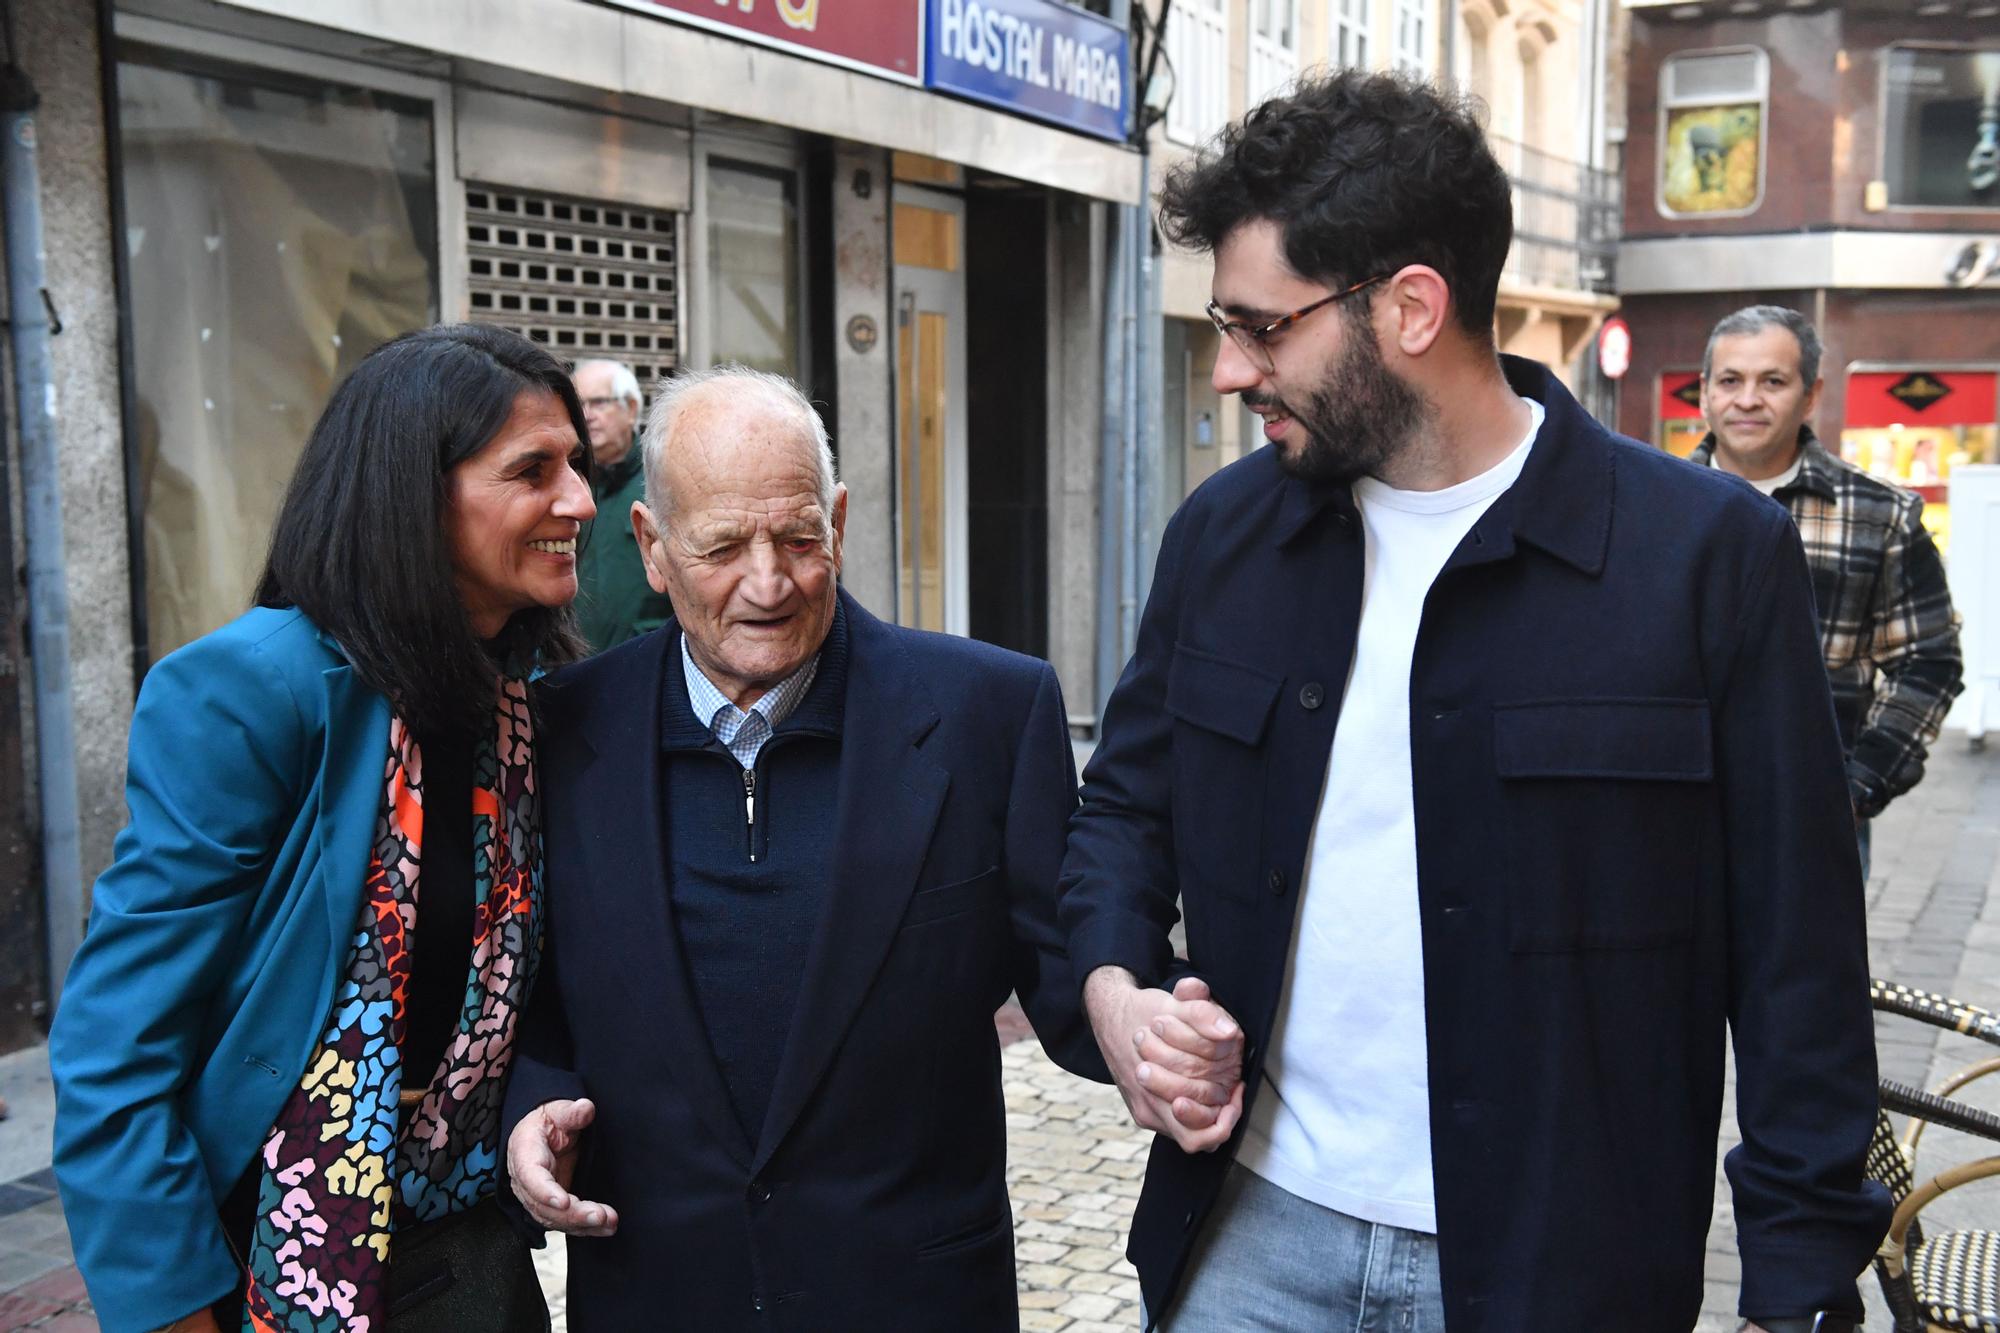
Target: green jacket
x=613, y=600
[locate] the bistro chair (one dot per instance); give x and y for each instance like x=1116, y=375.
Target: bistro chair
x=1950, y=1280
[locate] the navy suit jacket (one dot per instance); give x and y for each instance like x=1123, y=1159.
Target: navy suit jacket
x=876, y=1195
x=1632, y=829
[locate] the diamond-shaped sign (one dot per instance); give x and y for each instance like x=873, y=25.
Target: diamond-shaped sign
x=1690, y=393
x=1918, y=390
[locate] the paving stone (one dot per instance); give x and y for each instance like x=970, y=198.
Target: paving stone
x=1090, y=1305
x=64, y=1286
x=1039, y=1251
x=19, y=1310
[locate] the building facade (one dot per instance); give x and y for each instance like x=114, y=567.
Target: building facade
x=243, y=197
x=1842, y=159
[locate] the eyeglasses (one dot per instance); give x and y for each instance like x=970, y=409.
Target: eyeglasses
x=601, y=404
x=1249, y=338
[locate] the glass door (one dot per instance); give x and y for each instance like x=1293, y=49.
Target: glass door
x=930, y=417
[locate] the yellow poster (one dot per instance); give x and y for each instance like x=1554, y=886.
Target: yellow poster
x=1708, y=159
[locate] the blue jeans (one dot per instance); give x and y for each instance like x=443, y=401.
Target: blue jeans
x=1271, y=1262
x=1862, y=840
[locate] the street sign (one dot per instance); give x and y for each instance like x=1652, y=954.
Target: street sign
x=1614, y=348
x=1036, y=58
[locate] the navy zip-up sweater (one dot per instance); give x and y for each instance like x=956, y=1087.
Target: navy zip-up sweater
x=747, y=891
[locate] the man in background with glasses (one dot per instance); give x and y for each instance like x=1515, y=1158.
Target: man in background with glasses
x=1492, y=763
x=613, y=600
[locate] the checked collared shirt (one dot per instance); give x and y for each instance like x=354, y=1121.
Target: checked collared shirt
x=1887, y=628
x=743, y=732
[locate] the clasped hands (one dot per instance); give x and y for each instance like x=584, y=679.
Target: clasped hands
x=1177, y=1058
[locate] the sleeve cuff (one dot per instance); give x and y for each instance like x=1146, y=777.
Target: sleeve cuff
x=1786, y=1282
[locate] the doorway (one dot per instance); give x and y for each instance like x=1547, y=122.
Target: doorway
x=929, y=245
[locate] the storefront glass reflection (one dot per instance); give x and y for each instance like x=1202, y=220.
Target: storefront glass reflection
x=753, y=260
x=1941, y=127
x=277, y=231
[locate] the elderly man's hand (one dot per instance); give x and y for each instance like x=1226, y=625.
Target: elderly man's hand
x=1177, y=1059
x=541, y=1159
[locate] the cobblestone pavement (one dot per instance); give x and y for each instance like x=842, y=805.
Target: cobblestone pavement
x=1075, y=1161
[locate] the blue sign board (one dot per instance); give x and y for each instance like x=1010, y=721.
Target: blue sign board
x=1039, y=58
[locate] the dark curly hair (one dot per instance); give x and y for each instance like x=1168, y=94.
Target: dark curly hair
x=1365, y=172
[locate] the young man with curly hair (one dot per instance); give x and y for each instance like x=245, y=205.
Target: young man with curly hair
x=1491, y=760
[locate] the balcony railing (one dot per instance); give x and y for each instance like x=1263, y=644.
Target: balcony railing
x=1565, y=220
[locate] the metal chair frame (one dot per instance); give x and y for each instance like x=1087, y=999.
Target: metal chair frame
x=1905, y=1240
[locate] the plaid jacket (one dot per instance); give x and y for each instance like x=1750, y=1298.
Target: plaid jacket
x=1886, y=623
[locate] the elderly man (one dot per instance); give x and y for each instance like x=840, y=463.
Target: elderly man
x=613, y=600
x=1886, y=627
x=796, y=858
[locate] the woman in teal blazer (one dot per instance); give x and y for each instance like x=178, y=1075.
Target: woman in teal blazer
x=236, y=1138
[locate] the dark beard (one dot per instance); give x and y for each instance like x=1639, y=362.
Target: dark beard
x=1359, y=418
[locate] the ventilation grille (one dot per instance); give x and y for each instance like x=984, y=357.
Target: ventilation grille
x=583, y=279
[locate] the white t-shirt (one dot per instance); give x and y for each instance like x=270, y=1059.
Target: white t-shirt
x=1770, y=485
x=1344, y=1119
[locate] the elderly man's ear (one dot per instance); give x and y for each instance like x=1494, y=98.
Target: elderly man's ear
x=652, y=546
x=839, y=522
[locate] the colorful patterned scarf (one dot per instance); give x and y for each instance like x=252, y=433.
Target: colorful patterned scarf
x=337, y=1178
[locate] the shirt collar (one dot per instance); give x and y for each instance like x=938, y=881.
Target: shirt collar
x=1561, y=502
x=610, y=480
x=1816, y=465
x=711, y=705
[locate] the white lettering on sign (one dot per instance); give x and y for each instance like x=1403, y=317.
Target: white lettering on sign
x=1086, y=72
x=1026, y=52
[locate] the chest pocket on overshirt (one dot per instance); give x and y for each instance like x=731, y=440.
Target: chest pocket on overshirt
x=1608, y=818
x=1220, y=710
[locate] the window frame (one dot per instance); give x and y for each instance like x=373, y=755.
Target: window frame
x=1416, y=14
x=778, y=154
x=1360, y=28
x=206, y=47
x=1668, y=105
x=1270, y=51
x=1882, y=125
x=1213, y=20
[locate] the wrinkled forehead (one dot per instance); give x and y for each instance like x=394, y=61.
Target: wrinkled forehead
x=744, y=448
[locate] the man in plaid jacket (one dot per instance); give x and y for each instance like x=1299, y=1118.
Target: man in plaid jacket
x=1886, y=623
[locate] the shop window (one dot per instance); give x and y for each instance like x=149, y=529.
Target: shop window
x=753, y=266
x=277, y=230
x=1681, y=425
x=1198, y=50
x=1713, y=108
x=1912, y=425
x=1941, y=126
x=1353, y=32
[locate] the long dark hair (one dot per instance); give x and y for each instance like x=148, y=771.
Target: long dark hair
x=360, y=547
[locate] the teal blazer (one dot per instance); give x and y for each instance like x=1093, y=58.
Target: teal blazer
x=253, y=786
